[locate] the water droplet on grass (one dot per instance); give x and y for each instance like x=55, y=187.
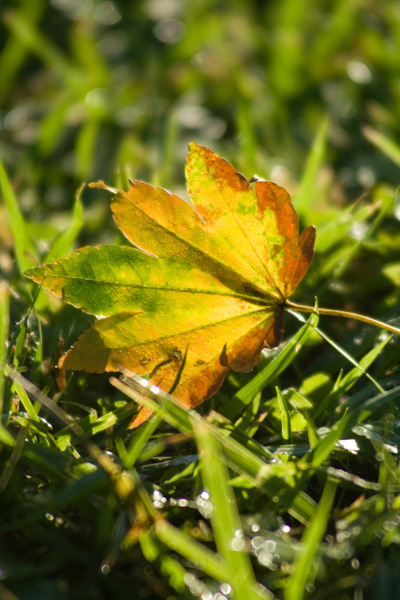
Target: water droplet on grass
x=237, y=544
x=257, y=542
x=269, y=545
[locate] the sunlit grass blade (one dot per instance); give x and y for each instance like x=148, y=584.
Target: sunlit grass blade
x=306, y=409
x=248, y=140
x=163, y=175
x=225, y=519
x=270, y=478
x=91, y=424
x=64, y=242
x=387, y=204
x=322, y=451
x=362, y=406
x=245, y=395
x=347, y=382
x=361, y=410
x=169, y=567
x=304, y=567
x=199, y=555
x=6, y=437
x=24, y=250
x=340, y=350
x=333, y=231
x=4, y=328
x=285, y=416
x=85, y=147
x=305, y=196
x=386, y=145
x=26, y=402
x=139, y=440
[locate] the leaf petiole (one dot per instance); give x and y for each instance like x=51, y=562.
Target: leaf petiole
x=340, y=313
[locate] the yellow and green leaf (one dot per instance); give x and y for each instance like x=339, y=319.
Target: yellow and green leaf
x=202, y=292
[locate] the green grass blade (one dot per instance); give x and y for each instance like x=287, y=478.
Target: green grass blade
x=270, y=478
x=26, y=402
x=163, y=176
x=139, y=441
x=14, y=54
x=285, y=416
x=198, y=554
x=31, y=38
x=91, y=425
x=165, y=564
x=242, y=398
x=311, y=539
x=347, y=382
x=66, y=239
x=225, y=518
x=24, y=250
x=5, y=437
x=247, y=137
x=362, y=407
x=387, y=204
x=53, y=123
x=4, y=328
x=305, y=195
x=306, y=409
x=334, y=231
x=85, y=148
x=340, y=350
x=325, y=446
x=383, y=143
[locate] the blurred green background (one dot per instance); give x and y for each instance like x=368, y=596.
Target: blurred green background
x=304, y=93
x=90, y=87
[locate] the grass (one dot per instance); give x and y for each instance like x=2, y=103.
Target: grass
x=286, y=483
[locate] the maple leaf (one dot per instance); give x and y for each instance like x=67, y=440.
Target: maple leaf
x=204, y=289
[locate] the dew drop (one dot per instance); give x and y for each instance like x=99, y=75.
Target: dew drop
x=359, y=72
x=237, y=544
x=257, y=542
x=269, y=545
x=264, y=558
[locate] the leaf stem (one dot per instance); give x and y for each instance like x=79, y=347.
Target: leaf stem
x=340, y=313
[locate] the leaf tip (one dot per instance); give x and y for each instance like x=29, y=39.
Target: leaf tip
x=32, y=273
x=100, y=185
x=193, y=146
